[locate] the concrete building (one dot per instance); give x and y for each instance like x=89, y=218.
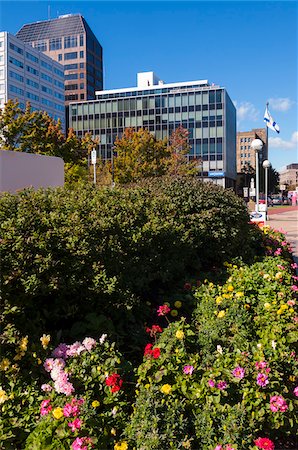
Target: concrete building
x=288, y=175
x=69, y=40
x=28, y=75
x=245, y=156
x=205, y=110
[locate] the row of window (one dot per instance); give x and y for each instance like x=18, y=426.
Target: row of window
x=74, y=66
x=73, y=97
x=70, y=55
x=34, y=71
x=74, y=87
x=245, y=155
x=244, y=147
x=244, y=139
x=170, y=91
x=46, y=77
x=29, y=82
x=74, y=76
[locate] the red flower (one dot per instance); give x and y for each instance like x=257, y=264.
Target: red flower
x=154, y=330
x=264, y=443
x=155, y=353
x=163, y=310
x=148, y=350
x=187, y=286
x=115, y=382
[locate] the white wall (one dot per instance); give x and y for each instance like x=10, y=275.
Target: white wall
x=21, y=170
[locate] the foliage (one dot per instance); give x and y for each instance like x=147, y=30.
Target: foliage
x=229, y=376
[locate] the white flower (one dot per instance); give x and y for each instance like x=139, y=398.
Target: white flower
x=114, y=411
x=219, y=349
x=273, y=343
x=102, y=338
x=259, y=345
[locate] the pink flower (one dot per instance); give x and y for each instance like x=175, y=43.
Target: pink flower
x=46, y=387
x=188, y=370
x=294, y=288
x=261, y=365
x=221, y=385
x=60, y=351
x=278, y=403
x=81, y=443
x=218, y=447
x=75, y=424
x=228, y=447
x=278, y=252
x=262, y=380
x=45, y=407
x=291, y=302
x=284, y=243
x=67, y=410
x=211, y=383
x=239, y=372
x=163, y=310
x=296, y=391
x=75, y=349
x=264, y=444
x=49, y=364
x=294, y=266
x=280, y=267
x=295, y=277
x=89, y=343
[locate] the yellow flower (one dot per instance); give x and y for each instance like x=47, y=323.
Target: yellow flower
x=239, y=294
x=218, y=300
x=177, y=304
x=3, y=396
x=147, y=386
x=45, y=339
x=174, y=313
x=284, y=306
x=291, y=310
x=230, y=288
x=267, y=305
x=121, y=446
x=179, y=334
x=247, y=306
x=211, y=285
x=292, y=378
x=113, y=432
x=95, y=403
x=279, y=311
x=221, y=314
x=4, y=365
x=166, y=389
x=278, y=275
x=266, y=276
x=57, y=413
x=226, y=295
x=23, y=344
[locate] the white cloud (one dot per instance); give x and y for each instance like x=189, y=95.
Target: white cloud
x=280, y=104
x=246, y=111
x=277, y=142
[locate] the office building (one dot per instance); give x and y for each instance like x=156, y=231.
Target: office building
x=288, y=176
x=70, y=41
x=245, y=156
x=28, y=75
x=205, y=110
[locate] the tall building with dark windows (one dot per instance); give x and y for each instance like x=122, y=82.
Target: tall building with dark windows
x=70, y=41
x=205, y=110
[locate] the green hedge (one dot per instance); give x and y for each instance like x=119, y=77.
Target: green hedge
x=84, y=259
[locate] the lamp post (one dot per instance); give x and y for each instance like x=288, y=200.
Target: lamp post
x=266, y=165
x=257, y=146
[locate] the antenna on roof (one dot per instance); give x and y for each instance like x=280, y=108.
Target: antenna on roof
x=49, y=12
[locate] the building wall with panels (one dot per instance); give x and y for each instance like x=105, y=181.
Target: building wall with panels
x=206, y=111
x=245, y=155
x=28, y=75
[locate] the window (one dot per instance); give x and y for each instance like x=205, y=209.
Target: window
x=32, y=96
x=59, y=107
x=47, y=102
x=46, y=89
x=81, y=54
x=58, y=95
x=71, y=76
x=81, y=40
x=82, y=96
x=55, y=44
x=59, y=84
x=16, y=76
x=16, y=62
x=71, y=55
x=1, y=43
x=46, y=65
x=58, y=72
x=70, y=66
x=81, y=85
x=60, y=57
x=41, y=46
x=82, y=65
x=32, y=83
x=70, y=41
x=82, y=75
x=46, y=77
x=71, y=97
x=31, y=57
x=15, y=48
x=16, y=90
x=32, y=70
x=71, y=87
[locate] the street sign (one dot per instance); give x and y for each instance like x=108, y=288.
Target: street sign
x=245, y=192
x=216, y=174
x=93, y=157
x=258, y=217
x=252, y=192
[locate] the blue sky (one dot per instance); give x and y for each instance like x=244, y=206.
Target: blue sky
x=249, y=47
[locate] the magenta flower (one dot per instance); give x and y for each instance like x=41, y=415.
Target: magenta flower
x=81, y=443
x=163, y=310
x=211, y=383
x=60, y=351
x=296, y=391
x=294, y=288
x=278, y=403
x=218, y=447
x=239, y=372
x=262, y=380
x=45, y=407
x=67, y=410
x=221, y=385
x=188, y=370
x=294, y=266
x=75, y=425
x=261, y=365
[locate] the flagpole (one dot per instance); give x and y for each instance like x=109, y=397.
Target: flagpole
x=267, y=143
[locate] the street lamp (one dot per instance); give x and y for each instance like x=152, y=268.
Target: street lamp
x=257, y=146
x=266, y=165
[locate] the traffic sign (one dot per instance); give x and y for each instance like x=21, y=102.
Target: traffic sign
x=93, y=157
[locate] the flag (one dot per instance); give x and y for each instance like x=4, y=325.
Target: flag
x=270, y=122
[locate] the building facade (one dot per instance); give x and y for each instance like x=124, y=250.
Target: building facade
x=245, y=156
x=70, y=41
x=28, y=75
x=205, y=110
x=288, y=175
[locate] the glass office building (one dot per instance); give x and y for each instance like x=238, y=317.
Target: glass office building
x=205, y=110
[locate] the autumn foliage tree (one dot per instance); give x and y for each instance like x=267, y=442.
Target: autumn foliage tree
x=36, y=132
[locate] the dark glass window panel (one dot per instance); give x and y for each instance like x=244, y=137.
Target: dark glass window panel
x=126, y=114
x=164, y=127
x=212, y=124
x=184, y=108
x=157, y=110
x=211, y=107
x=177, y=109
x=151, y=112
x=191, y=125
x=151, y=122
x=164, y=110
x=158, y=127
x=198, y=107
x=211, y=96
x=151, y=127
x=219, y=123
x=205, y=107
x=219, y=105
x=198, y=124
x=139, y=113
x=219, y=157
x=191, y=108
x=205, y=158
x=132, y=113
x=212, y=157
x=218, y=97
x=171, y=110
x=205, y=125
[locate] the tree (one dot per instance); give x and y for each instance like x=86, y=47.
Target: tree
x=178, y=163
x=36, y=132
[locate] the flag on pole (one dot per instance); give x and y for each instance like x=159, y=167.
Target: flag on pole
x=270, y=122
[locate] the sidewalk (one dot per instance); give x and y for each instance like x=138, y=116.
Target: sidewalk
x=287, y=221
